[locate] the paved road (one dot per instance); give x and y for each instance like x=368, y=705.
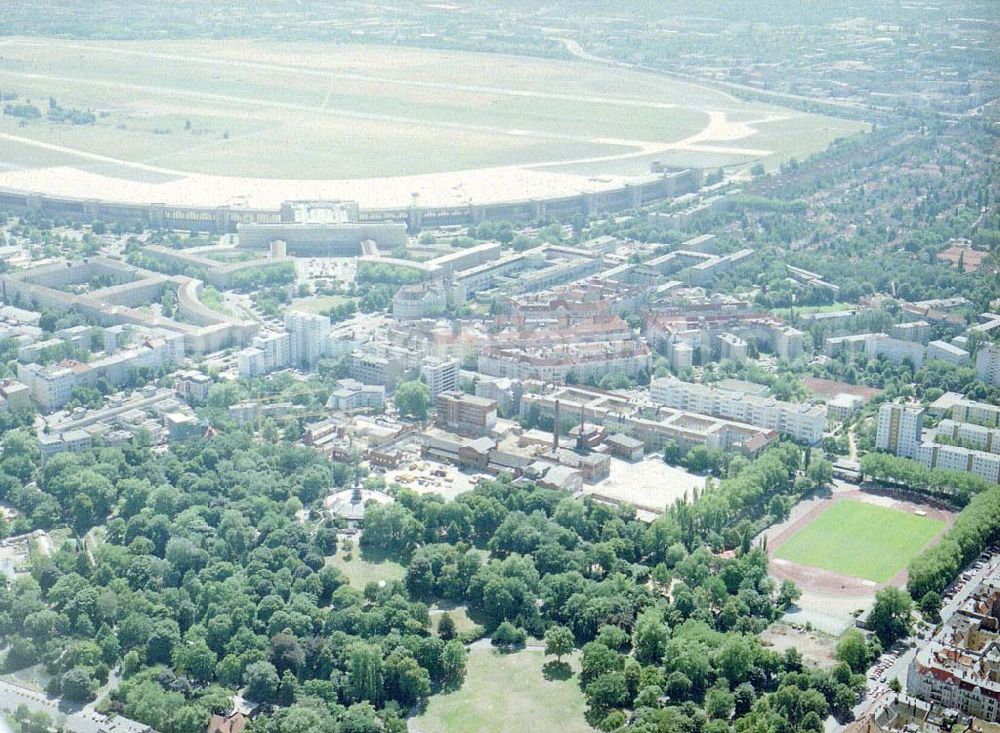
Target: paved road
x=878, y=693
x=78, y=720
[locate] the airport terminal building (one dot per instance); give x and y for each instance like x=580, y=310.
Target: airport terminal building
x=321, y=229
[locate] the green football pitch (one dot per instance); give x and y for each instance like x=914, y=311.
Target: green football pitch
x=861, y=540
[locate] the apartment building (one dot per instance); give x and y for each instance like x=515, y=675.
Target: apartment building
x=807, y=277
x=801, y=421
x=960, y=666
x=581, y=361
x=958, y=458
x=351, y=394
x=384, y=362
x=505, y=392
x=988, y=364
x=277, y=348
x=969, y=435
x=191, y=384
x=899, y=429
x=250, y=363
x=270, y=351
x=850, y=344
x=895, y=350
x=423, y=300
x=701, y=328
x=69, y=441
x=52, y=386
x=564, y=264
x=681, y=355
x=731, y=346
x=489, y=274
x=979, y=413
x=944, y=351
x=840, y=322
x=916, y=331
x=703, y=272
x=43, y=351
x=843, y=406
x=308, y=332
x=441, y=375
x=530, y=271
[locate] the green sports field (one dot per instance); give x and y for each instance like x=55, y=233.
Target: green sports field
x=861, y=540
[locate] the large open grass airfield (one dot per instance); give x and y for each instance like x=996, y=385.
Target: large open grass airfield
x=216, y=122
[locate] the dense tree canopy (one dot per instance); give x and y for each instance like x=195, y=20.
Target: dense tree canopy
x=204, y=583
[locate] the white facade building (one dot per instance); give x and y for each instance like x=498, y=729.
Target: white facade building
x=944, y=351
x=308, y=332
x=895, y=350
x=351, y=394
x=801, y=421
x=441, y=375
x=980, y=413
x=956, y=458
x=978, y=437
x=270, y=351
x=51, y=387
x=988, y=364
x=899, y=429
x=916, y=331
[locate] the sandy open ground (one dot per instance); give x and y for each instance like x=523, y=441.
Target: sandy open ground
x=650, y=484
x=425, y=477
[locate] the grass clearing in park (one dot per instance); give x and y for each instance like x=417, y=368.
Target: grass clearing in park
x=862, y=540
x=360, y=572
x=508, y=693
x=318, y=303
x=459, y=614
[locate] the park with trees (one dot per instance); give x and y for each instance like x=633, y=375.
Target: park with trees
x=204, y=583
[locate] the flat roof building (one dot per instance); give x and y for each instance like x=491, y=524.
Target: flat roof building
x=465, y=413
x=900, y=428
x=801, y=421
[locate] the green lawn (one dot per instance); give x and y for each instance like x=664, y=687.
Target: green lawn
x=213, y=299
x=317, y=303
x=802, y=310
x=459, y=614
x=361, y=572
x=861, y=540
x=507, y=693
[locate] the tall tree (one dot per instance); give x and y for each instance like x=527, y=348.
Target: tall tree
x=889, y=617
x=558, y=642
x=365, y=670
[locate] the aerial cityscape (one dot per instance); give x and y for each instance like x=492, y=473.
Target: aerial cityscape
x=500, y=367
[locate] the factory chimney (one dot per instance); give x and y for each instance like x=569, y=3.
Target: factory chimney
x=555, y=428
